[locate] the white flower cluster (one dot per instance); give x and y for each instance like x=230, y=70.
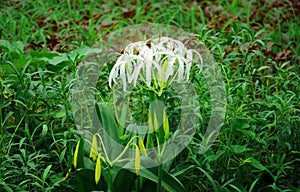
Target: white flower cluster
x=160, y=59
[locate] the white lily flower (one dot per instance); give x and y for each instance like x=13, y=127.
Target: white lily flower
x=154, y=60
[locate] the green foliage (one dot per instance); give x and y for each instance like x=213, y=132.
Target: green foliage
x=113, y=177
x=255, y=43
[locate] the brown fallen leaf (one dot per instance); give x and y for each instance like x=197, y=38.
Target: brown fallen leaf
x=128, y=13
x=284, y=55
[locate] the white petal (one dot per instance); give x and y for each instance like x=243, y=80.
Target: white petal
x=148, y=72
x=138, y=68
x=130, y=70
x=200, y=65
x=159, y=68
x=123, y=75
x=170, y=68
x=180, y=68
x=115, y=70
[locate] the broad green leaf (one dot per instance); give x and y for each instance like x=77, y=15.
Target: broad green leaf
x=82, y=52
x=124, y=181
x=248, y=133
x=5, y=44
x=107, y=120
x=235, y=187
x=263, y=68
x=214, y=156
x=46, y=172
x=237, y=149
x=124, y=137
x=40, y=55
x=21, y=142
x=257, y=164
x=59, y=67
x=44, y=131
x=6, y=187
x=16, y=66
x=59, y=115
x=84, y=180
x=253, y=184
x=182, y=172
x=109, y=124
x=57, y=59
x=121, y=118
x=209, y=177
x=64, y=59
x=169, y=182
x=13, y=47
x=62, y=155
x=35, y=177
x=7, y=117
x=88, y=163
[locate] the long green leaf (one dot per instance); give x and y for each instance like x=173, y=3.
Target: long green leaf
x=209, y=177
x=169, y=182
x=124, y=181
x=107, y=120
x=109, y=126
x=84, y=181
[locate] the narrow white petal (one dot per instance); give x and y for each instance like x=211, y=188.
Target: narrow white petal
x=123, y=74
x=148, y=72
x=170, y=68
x=138, y=68
x=159, y=69
x=200, y=65
x=130, y=70
x=188, y=69
x=115, y=70
x=180, y=68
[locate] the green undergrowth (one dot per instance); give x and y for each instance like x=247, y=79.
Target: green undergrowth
x=255, y=43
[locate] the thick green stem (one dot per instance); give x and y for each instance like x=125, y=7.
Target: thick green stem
x=138, y=183
x=109, y=180
x=158, y=189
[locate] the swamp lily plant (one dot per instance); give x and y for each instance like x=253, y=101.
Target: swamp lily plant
x=158, y=61
x=98, y=148
x=98, y=152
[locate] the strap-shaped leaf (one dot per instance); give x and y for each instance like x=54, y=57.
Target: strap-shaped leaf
x=109, y=128
x=124, y=181
x=169, y=182
x=84, y=180
x=107, y=120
